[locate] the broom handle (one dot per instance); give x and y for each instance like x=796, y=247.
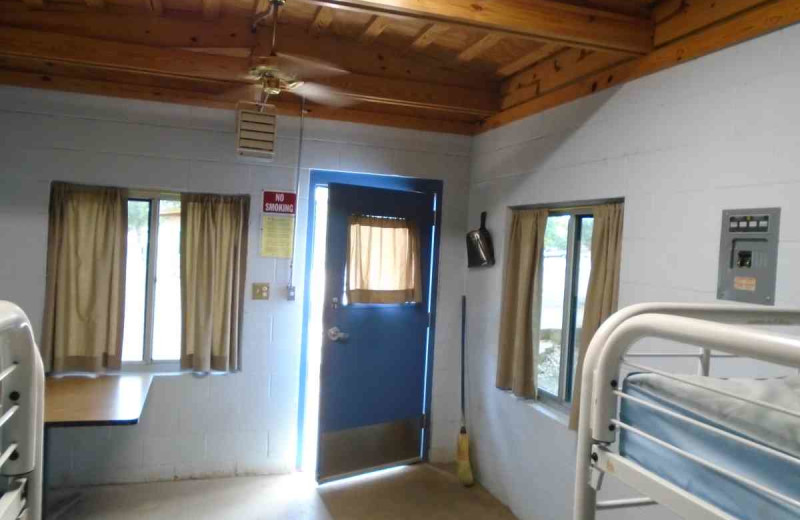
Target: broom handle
x=463, y=351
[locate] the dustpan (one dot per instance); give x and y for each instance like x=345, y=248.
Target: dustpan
x=480, y=251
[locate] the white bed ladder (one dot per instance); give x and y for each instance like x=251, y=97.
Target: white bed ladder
x=21, y=417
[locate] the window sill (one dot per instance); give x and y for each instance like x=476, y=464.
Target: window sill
x=552, y=411
x=556, y=413
x=162, y=368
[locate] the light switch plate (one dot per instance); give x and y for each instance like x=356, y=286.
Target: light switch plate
x=261, y=291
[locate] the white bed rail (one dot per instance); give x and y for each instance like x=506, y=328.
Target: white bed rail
x=22, y=420
x=707, y=326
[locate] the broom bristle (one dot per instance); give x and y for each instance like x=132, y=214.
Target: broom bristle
x=464, y=470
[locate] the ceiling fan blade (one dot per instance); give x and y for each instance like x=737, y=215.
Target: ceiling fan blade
x=323, y=95
x=305, y=68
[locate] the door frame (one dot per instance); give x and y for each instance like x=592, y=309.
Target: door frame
x=370, y=180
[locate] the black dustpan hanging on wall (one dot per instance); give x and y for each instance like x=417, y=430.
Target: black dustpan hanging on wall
x=480, y=251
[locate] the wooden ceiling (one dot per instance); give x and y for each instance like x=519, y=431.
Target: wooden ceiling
x=444, y=65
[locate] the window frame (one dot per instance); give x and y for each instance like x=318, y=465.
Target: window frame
x=563, y=400
x=148, y=364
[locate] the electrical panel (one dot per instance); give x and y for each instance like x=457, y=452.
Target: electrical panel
x=748, y=255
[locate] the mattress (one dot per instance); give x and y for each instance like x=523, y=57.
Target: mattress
x=763, y=426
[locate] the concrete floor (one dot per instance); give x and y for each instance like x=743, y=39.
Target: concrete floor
x=414, y=492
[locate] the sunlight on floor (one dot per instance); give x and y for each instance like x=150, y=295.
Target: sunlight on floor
x=419, y=491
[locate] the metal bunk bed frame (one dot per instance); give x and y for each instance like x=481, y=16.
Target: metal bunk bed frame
x=711, y=327
x=22, y=418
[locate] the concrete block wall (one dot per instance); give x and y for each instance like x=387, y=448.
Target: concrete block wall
x=680, y=146
x=219, y=425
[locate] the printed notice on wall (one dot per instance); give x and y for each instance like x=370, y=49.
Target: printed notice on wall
x=277, y=232
x=277, y=224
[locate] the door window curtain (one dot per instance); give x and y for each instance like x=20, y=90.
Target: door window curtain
x=383, y=260
x=521, y=304
x=214, y=232
x=85, y=278
x=602, y=295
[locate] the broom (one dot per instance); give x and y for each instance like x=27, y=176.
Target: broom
x=464, y=470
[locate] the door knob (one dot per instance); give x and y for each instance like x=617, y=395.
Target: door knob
x=334, y=334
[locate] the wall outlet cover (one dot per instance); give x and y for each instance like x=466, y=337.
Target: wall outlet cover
x=261, y=291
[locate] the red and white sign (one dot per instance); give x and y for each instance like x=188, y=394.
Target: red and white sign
x=280, y=202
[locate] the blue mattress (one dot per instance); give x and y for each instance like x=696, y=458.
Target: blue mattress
x=736, y=499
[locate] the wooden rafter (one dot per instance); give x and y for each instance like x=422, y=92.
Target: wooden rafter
x=478, y=47
x=211, y=9
x=771, y=16
x=154, y=6
x=373, y=29
x=134, y=28
x=542, y=20
x=427, y=36
x=234, y=33
x=690, y=16
x=144, y=59
x=322, y=20
x=544, y=51
x=554, y=72
x=228, y=100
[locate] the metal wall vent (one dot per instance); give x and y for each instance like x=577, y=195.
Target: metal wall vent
x=255, y=132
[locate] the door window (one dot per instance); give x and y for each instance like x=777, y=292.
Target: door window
x=383, y=260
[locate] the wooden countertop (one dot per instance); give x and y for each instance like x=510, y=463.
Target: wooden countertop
x=95, y=401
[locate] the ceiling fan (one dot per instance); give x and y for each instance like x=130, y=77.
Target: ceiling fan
x=284, y=72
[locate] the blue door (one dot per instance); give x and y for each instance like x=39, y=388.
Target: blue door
x=372, y=377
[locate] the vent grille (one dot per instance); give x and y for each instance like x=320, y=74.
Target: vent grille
x=255, y=132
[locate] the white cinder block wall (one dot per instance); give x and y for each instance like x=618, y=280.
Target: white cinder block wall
x=219, y=425
x=680, y=146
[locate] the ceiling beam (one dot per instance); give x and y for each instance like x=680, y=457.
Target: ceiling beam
x=211, y=9
x=176, y=63
x=770, y=17
x=698, y=14
x=228, y=100
x=234, y=33
x=552, y=73
x=131, y=26
x=154, y=6
x=374, y=28
x=427, y=36
x=474, y=50
x=322, y=20
x=122, y=56
x=544, y=51
x=543, y=20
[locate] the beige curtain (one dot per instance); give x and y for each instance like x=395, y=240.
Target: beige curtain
x=603, y=291
x=383, y=261
x=85, y=287
x=213, y=263
x=521, y=306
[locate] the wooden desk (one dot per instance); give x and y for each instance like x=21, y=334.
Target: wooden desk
x=95, y=401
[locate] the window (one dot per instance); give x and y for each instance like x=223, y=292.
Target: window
x=152, y=333
x=383, y=261
x=565, y=278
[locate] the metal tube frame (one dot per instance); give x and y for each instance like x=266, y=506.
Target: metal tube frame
x=675, y=321
x=23, y=392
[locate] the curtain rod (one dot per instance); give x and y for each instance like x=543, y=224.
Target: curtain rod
x=571, y=206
